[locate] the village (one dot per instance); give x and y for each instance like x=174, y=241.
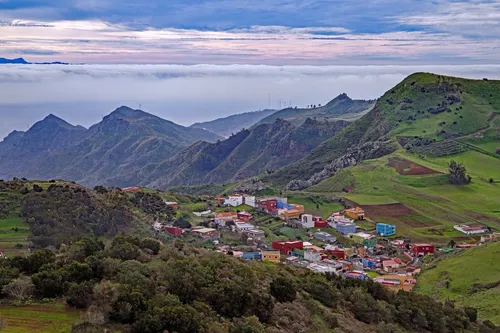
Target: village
x=242, y=226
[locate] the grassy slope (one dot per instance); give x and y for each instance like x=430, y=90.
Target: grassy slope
x=479, y=265
x=53, y=318
x=437, y=204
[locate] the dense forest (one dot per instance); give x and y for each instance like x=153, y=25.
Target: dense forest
x=138, y=285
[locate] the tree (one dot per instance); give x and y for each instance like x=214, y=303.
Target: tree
x=283, y=289
x=80, y=295
x=452, y=244
x=458, y=174
x=20, y=289
x=49, y=283
x=37, y=188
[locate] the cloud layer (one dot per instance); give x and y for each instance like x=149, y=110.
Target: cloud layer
x=82, y=94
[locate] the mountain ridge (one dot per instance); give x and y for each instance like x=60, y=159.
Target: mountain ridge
x=53, y=148
x=234, y=123
x=341, y=107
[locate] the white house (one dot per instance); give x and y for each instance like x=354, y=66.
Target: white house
x=243, y=226
x=256, y=234
x=471, y=229
x=312, y=255
x=234, y=200
x=250, y=201
x=307, y=221
x=334, y=220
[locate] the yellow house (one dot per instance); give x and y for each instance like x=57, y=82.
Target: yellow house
x=355, y=213
x=273, y=256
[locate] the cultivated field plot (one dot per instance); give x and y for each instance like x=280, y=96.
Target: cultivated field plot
x=13, y=234
x=409, y=168
x=52, y=318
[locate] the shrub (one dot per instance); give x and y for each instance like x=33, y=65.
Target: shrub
x=283, y=290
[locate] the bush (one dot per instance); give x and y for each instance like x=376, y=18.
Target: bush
x=283, y=290
x=151, y=244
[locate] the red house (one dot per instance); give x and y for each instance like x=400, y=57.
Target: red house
x=337, y=253
x=288, y=247
x=422, y=249
x=319, y=222
x=176, y=231
x=267, y=205
x=244, y=217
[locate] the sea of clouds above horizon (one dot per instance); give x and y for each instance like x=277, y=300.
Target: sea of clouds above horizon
x=82, y=94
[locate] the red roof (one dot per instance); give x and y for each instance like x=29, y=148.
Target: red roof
x=423, y=244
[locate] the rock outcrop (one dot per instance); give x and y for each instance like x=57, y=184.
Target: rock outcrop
x=368, y=150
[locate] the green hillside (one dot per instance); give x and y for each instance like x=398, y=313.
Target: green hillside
x=470, y=278
x=430, y=114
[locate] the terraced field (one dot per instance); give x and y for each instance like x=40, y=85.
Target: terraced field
x=13, y=236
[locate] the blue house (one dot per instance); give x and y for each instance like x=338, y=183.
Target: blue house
x=384, y=229
x=369, y=263
x=345, y=228
x=252, y=256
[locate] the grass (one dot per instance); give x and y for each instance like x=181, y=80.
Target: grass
x=9, y=238
x=462, y=270
x=316, y=205
x=53, y=318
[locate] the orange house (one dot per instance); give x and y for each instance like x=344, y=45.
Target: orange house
x=292, y=214
x=355, y=213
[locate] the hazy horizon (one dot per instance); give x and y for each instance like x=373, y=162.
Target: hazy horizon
x=83, y=94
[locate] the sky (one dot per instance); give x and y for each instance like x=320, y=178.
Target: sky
x=271, y=32
x=196, y=60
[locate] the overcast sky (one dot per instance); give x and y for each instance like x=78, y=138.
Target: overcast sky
x=273, y=32
x=187, y=94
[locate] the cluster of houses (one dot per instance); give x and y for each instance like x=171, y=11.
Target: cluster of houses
x=389, y=261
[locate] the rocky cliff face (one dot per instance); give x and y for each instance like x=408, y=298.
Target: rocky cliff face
x=354, y=156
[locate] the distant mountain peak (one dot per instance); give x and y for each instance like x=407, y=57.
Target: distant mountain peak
x=342, y=97
x=53, y=117
x=128, y=113
x=13, y=61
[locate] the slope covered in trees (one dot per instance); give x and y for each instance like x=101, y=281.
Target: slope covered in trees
x=134, y=285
